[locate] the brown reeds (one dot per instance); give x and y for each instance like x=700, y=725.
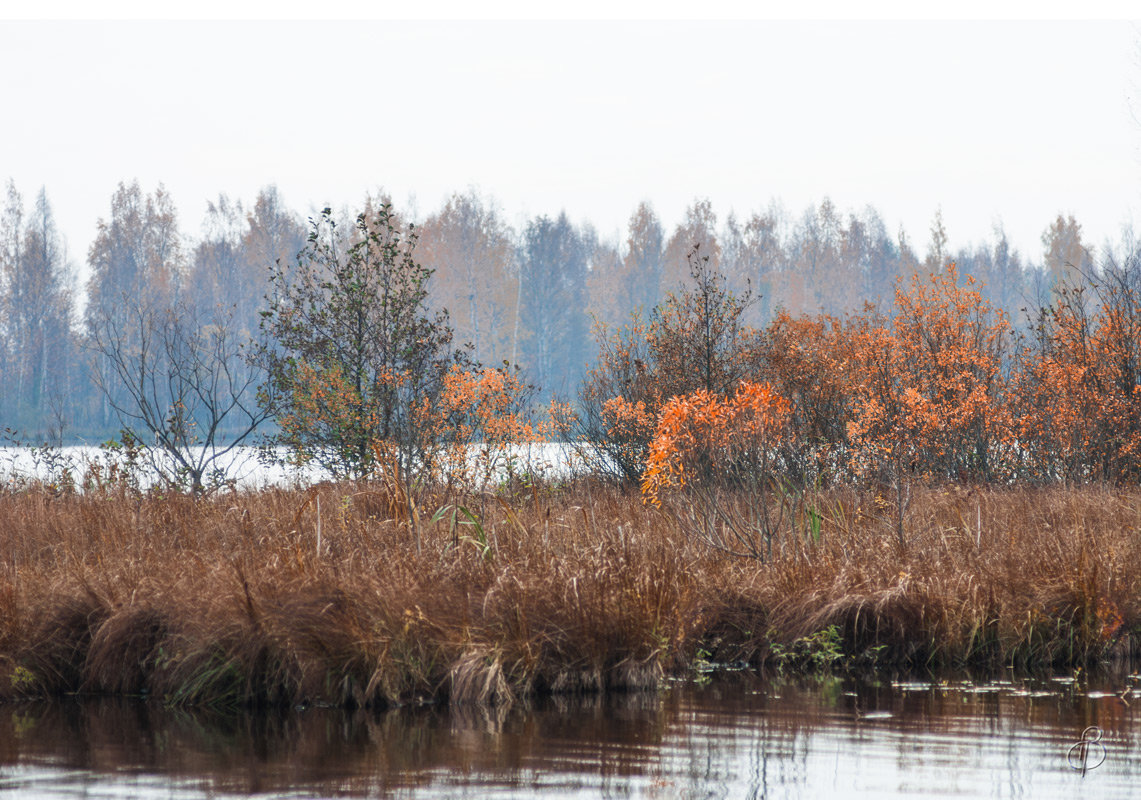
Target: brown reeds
x=271, y=597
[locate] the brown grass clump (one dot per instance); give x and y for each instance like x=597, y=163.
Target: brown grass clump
x=319, y=596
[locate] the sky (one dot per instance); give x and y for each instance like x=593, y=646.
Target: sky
x=986, y=121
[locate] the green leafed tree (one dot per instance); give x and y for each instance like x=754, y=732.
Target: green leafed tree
x=355, y=358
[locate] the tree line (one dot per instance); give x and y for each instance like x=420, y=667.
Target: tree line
x=541, y=297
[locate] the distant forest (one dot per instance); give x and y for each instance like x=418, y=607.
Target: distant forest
x=533, y=297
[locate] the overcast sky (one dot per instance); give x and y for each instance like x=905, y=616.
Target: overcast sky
x=988, y=121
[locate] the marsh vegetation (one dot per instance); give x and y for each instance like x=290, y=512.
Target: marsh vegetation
x=287, y=597
x=916, y=484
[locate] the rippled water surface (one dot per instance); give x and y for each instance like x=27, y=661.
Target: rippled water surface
x=736, y=736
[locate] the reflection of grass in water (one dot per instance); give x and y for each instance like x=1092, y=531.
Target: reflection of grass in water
x=326, y=751
x=22, y=724
x=332, y=751
x=275, y=599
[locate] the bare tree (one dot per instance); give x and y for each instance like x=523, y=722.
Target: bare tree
x=179, y=383
x=137, y=255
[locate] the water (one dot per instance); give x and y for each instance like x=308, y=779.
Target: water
x=739, y=736
x=244, y=466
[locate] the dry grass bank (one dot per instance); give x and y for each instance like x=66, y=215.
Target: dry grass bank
x=287, y=596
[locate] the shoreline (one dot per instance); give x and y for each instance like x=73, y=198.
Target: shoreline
x=283, y=597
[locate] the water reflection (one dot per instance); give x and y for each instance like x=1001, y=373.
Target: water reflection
x=738, y=736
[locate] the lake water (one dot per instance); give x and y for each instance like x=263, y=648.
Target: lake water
x=738, y=736
x=245, y=466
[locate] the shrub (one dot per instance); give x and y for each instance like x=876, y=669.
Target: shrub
x=1077, y=395
x=721, y=455
x=353, y=356
x=929, y=394
x=695, y=340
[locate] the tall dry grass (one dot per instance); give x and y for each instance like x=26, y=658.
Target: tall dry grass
x=319, y=596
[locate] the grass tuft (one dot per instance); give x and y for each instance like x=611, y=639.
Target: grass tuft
x=271, y=598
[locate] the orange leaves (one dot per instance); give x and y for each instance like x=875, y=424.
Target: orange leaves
x=931, y=386
x=478, y=417
x=704, y=437
x=927, y=383
x=1076, y=390
x=629, y=424
x=625, y=417
x=706, y=443
x=808, y=360
x=921, y=386
x=486, y=401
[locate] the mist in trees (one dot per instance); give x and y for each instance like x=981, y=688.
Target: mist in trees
x=37, y=306
x=161, y=341
x=136, y=262
x=552, y=305
x=228, y=265
x=627, y=279
x=698, y=227
x=471, y=252
x=528, y=294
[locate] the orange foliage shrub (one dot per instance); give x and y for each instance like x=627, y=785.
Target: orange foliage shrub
x=480, y=417
x=929, y=387
x=806, y=360
x=929, y=394
x=706, y=444
x=1077, y=397
x=694, y=340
